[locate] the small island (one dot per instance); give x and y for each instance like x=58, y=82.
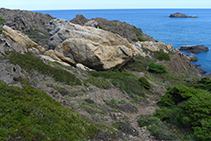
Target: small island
x=180, y=15
x=194, y=48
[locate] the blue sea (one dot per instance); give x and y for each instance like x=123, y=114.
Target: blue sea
x=156, y=23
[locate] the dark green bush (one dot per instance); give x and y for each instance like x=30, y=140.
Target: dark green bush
x=157, y=128
x=30, y=114
x=204, y=83
x=30, y=62
x=188, y=107
x=144, y=82
x=177, y=95
x=157, y=68
x=160, y=55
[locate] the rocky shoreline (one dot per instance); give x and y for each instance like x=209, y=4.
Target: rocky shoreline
x=108, y=74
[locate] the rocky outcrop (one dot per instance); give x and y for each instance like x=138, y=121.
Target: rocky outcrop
x=22, y=40
x=59, y=57
x=130, y=32
x=31, y=23
x=194, y=48
x=11, y=74
x=180, y=15
x=152, y=46
x=95, y=48
x=179, y=63
x=193, y=58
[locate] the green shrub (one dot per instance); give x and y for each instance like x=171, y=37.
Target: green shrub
x=30, y=62
x=127, y=82
x=139, y=64
x=188, y=107
x=99, y=82
x=1, y=20
x=138, y=34
x=144, y=82
x=157, y=68
x=157, y=128
x=177, y=95
x=204, y=83
x=30, y=114
x=160, y=55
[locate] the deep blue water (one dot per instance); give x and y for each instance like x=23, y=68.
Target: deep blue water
x=156, y=23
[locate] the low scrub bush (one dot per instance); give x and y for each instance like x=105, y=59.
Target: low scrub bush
x=187, y=107
x=30, y=62
x=125, y=81
x=160, y=55
x=1, y=22
x=30, y=114
x=204, y=83
x=99, y=82
x=144, y=82
x=157, y=68
x=157, y=128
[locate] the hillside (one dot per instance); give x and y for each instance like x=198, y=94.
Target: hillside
x=77, y=80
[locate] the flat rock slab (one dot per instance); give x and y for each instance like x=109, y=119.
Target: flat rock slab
x=194, y=48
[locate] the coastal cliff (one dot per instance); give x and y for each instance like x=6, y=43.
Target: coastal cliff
x=94, y=80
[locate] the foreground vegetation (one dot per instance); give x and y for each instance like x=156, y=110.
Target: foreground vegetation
x=187, y=108
x=30, y=114
x=32, y=63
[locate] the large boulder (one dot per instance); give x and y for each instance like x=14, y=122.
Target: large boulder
x=22, y=40
x=98, y=49
x=194, y=48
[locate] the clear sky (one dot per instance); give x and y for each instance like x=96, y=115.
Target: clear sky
x=102, y=4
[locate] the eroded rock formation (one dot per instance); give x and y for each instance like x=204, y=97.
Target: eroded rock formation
x=95, y=48
x=130, y=32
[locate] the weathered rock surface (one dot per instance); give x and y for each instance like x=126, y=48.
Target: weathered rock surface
x=97, y=49
x=194, y=48
x=180, y=62
x=22, y=40
x=180, y=15
x=11, y=74
x=193, y=58
x=152, y=46
x=59, y=57
x=31, y=23
x=130, y=32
